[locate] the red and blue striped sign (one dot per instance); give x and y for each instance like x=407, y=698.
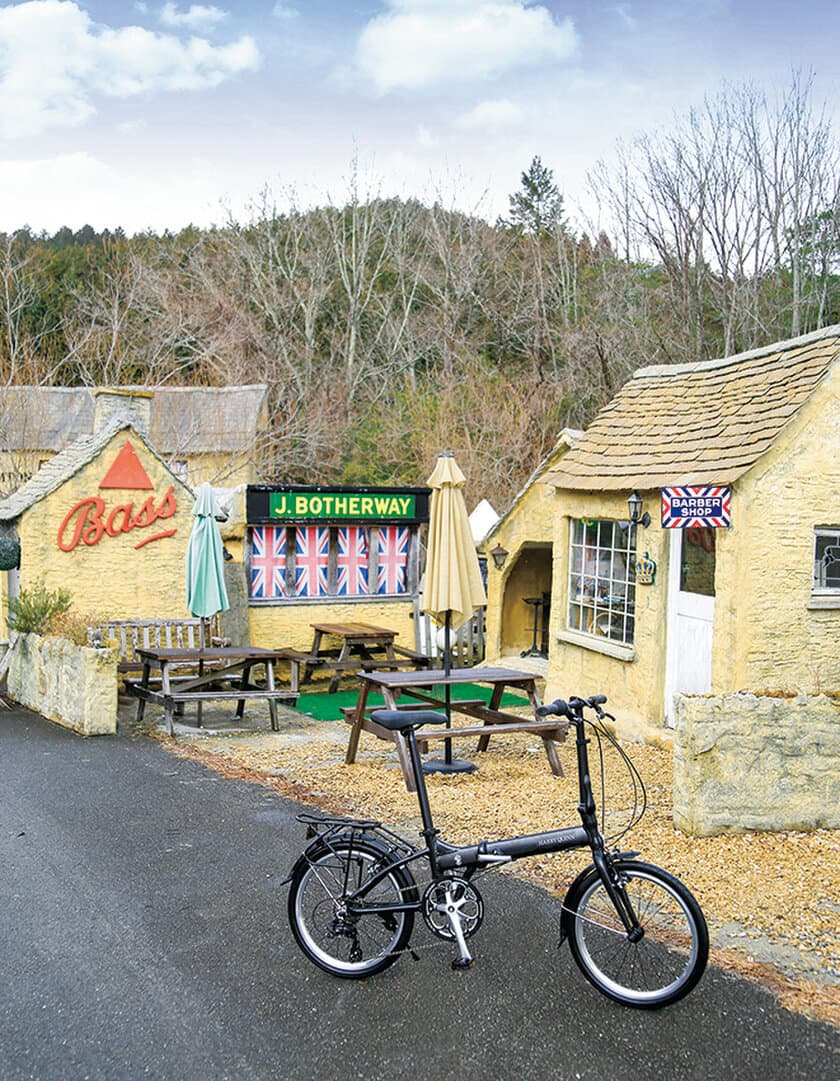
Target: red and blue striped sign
x=694, y=507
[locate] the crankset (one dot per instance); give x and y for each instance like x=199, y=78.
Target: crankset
x=452, y=899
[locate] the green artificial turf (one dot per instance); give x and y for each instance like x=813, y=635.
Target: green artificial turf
x=327, y=707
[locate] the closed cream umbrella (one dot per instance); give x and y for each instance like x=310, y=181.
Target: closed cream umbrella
x=452, y=588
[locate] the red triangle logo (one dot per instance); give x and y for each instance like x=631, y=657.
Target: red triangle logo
x=127, y=471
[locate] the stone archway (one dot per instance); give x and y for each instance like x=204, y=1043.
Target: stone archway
x=529, y=578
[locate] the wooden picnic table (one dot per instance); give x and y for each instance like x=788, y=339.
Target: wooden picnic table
x=360, y=646
x=209, y=668
x=421, y=687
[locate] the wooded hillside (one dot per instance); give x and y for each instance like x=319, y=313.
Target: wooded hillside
x=388, y=330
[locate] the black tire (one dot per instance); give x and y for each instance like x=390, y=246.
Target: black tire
x=333, y=937
x=665, y=964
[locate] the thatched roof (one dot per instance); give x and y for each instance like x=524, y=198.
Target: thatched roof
x=183, y=420
x=66, y=464
x=705, y=423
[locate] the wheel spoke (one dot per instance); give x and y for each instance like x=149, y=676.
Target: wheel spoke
x=664, y=963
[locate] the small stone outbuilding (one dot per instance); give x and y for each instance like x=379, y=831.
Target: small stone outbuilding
x=644, y=613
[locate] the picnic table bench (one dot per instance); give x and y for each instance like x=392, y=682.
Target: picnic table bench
x=219, y=674
x=362, y=647
x=420, y=687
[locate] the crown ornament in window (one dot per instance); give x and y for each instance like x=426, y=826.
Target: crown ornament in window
x=9, y=553
x=645, y=570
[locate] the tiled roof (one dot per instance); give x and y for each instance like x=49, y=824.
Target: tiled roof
x=185, y=420
x=704, y=423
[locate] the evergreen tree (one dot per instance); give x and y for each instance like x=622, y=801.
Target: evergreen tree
x=538, y=205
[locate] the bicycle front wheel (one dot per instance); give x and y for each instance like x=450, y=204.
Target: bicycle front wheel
x=665, y=963
x=327, y=927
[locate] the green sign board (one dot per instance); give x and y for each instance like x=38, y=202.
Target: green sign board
x=336, y=505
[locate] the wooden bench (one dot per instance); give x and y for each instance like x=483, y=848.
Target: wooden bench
x=330, y=660
x=127, y=636
x=472, y=707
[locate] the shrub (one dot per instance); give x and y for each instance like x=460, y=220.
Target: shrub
x=70, y=625
x=31, y=611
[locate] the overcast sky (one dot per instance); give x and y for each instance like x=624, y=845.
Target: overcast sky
x=155, y=115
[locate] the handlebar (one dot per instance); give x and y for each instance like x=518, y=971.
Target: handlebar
x=573, y=708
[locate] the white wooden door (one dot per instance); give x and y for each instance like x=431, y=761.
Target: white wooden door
x=691, y=611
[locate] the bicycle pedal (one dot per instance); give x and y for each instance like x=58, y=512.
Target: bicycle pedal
x=463, y=962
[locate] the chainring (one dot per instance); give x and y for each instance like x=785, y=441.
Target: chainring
x=462, y=897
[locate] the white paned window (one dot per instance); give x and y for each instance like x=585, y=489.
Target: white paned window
x=826, y=581
x=602, y=579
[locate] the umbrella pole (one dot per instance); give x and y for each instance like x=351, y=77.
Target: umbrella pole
x=447, y=764
x=447, y=691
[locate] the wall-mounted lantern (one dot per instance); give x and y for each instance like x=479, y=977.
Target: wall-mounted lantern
x=499, y=555
x=637, y=516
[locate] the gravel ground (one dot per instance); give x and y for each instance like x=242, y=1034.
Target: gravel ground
x=772, y=900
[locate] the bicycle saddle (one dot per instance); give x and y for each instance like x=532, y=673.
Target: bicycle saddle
x=396, y=720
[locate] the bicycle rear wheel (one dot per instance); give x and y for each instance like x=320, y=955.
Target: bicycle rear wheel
x=326, y=927
x=665, y=963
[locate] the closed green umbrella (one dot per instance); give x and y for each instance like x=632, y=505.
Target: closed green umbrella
x=452, y=588
x=206, y=593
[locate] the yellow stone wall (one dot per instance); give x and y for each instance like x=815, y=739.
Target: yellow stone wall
x=220, y=470
x=112, y=578
x=290, y=625
x=633, y=684
x=766, y=637
x=527, y=532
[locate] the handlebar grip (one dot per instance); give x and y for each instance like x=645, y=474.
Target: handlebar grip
x=558, y=708
x=597, y=699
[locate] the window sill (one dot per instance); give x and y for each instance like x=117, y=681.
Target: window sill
x=818, y=603
x=598, y=645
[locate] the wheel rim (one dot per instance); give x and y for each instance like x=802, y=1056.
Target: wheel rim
x=331, y=932
x=659, y=964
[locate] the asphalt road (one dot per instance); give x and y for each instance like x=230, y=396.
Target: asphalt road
x=144, y=936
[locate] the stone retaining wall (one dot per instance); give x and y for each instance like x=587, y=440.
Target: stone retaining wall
x=73, y=685
x=748, y=762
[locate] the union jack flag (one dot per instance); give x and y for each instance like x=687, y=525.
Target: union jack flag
x=312, y=557
x=268, y=562
x=392, y=559
x=352, y=561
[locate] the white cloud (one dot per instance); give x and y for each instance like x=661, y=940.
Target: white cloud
x=56, y=60
x=78, y=189
x=195, y=16
x=284, y=11
x=417, y=43
x=425, y=138
x=492, y=116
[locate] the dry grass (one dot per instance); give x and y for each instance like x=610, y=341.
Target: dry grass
x=771, y=899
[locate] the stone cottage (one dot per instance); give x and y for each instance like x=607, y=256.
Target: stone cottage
x=747, y=600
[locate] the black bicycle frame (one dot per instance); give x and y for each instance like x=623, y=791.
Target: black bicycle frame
x=444, y=857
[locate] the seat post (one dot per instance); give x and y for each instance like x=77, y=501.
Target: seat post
x=429, y=831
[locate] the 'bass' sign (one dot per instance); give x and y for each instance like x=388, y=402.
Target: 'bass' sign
x=694, y=507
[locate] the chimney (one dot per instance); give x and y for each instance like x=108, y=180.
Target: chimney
x=128, y=404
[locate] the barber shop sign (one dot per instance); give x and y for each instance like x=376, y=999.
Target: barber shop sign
x=692, y=507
